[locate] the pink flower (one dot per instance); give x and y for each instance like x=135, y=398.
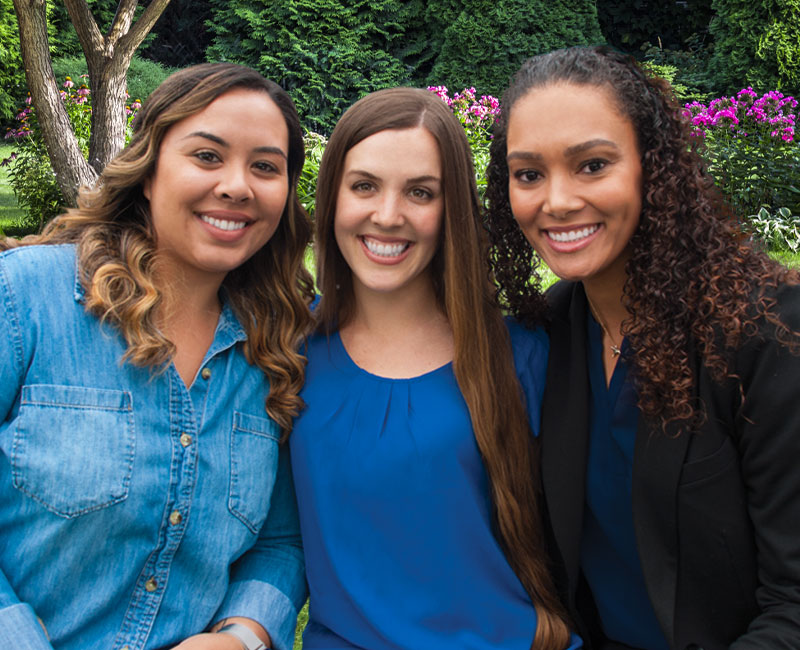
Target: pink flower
x=69, y=83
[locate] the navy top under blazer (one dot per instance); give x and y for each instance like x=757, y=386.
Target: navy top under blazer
x=716, y=510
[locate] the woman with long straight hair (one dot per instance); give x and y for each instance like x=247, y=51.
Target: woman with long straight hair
x=670, y=421
x=414, y=461
x=149, y=367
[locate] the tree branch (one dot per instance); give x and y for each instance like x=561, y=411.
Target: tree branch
x=89, y=35
x=122, y=20
x=133, y=39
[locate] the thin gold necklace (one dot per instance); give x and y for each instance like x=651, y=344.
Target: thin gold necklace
x=615, y=349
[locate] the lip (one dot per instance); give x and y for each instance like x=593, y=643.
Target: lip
x=571, y=246
x=223, y=234
x=383, y=259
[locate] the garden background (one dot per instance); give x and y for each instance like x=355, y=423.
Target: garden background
x=734, y=64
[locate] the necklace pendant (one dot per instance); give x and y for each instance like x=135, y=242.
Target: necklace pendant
x=615, y=351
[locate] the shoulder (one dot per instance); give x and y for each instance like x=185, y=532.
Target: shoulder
x=528, y=345
x=530, y=348
x=39, y=264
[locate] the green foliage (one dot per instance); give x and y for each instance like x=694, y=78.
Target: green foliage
x=779, y=230
x=686, y=70
x=757, y=44
x=181, y=35
x=29, y=170
x=63, y=39
x=633, y=25
x=325, y=53
x=752, y=148
x=12, y=74
x=143, y=76
x=484, y=41
x=307, y=185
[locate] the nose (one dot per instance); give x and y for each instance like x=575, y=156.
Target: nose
x=234, y=184
x=561, y=198
x=388, y=211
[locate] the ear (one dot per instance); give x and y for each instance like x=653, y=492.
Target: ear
x=146, y=186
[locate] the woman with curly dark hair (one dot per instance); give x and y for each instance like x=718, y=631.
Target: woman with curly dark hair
x=670, y=421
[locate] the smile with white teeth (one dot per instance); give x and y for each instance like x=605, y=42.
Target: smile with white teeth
x=384, y=250
x=223, y=224
x=572, y=235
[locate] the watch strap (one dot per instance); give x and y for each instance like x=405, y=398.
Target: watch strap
x=246, y=636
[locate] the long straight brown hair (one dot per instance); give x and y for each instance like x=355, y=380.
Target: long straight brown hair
x=483, y=363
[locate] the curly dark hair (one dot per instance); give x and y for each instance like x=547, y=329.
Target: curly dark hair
x=694, y=279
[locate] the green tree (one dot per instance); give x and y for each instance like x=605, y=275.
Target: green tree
x=108, y=56
x=483, y=42
x=12, y=76
x=757, y=44
x=325, y=53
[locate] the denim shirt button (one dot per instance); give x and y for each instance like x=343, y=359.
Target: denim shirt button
x=205, y=373
x=175, y=518
x=186, y=439
x=151, y=585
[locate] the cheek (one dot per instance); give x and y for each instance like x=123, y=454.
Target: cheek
x=522, y=206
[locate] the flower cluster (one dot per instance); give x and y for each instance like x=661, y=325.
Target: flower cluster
x=29, y=170
x=477, y=115
x=72, y=97
x=470, y=110
x=746, y=114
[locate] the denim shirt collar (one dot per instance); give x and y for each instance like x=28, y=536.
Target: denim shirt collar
x=229, y=329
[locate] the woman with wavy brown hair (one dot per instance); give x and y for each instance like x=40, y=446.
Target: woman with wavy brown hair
x=414, y=463
x=149, y=369
x=670, y=418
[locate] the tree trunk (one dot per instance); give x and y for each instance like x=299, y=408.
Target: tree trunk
x=108, y=58
x=69, y=165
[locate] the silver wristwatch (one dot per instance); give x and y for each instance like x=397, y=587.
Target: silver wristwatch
x=246, y=636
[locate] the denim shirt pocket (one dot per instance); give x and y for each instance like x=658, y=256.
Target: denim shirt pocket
x=73, y=447
x=254, y=464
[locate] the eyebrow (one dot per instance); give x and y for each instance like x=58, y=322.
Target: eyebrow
x=569, y=151
x=417, y=179
x=224, y=143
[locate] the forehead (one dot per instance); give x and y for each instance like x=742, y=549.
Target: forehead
x=567, y=112
x=247, y=112
x=394, y=150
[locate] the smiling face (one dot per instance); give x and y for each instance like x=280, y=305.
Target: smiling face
x=389, y=210
x=575, y=179
x=220, y=185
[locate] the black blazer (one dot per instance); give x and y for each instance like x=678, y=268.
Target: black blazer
x=716, y=511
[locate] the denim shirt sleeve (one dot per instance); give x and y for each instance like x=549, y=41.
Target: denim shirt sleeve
x=19, y=627
x=11, y=351
x=268, y=582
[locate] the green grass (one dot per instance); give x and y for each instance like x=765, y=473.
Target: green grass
x=10, y=212
x=302, y=619
x=792, y=260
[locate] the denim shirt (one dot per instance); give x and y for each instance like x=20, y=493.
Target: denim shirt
x=134, y=511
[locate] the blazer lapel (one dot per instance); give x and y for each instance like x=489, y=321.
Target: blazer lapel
x=565, y=427
x=657, y=464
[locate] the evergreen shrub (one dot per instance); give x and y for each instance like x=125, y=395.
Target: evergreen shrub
x=484, y=41
x=325, y=53
x=757, y=44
